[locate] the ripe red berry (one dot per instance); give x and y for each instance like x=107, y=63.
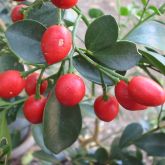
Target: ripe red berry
x=16, y=14
x=56, y=43
x=11, y=84
x=124, y=99
x=64, y=4
x=31, y=84
x=33, y=109
x=70, y=89
x=146, y=91
x=106, y=110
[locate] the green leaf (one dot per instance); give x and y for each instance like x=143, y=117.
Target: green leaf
x=115, y=150
x=155, y=9
x=155, y=59
x=150, y=34
x=24, y=40
x=4, y=130
x=46, y=15
x=124, y=11
x=121, y=56
x=88, y=71
x=41, y=155
x=62, y=125
x=8, y=62
x=101, y=33
x=128, y=138
x=153, y=144
x=37, y=132
x=101, y=155
x=68, y=23
x=95, y=13
x=144, y=2
x=131, y=160
x=128, y=157
x=16, y=138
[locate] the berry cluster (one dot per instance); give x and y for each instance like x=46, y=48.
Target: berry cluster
x=56, y=43
x=139, y=94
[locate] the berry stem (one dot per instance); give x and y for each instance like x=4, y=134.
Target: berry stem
x=59, y=11
x=39, y=81
x=9, y=105
x=71, y=68
x=61, y=69
x=159, y=116
x=104, y=87
x=93, y=89
x=26, y=73
x=110, y=73
x=113, y=78
x=144, y=10
x=33, y=5
x=84, y=18
x=74, y=32
x=161, y=9
x=113, y=73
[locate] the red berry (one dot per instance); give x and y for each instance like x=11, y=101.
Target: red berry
x=106, y=110
x=16, y=14
x=64, y=4
x=124, y=99
x=31, y=83
x=11, y=84
x=56, y=43
x=70, y=89
x=33, y=109
x=19, y=0
x=146, y=91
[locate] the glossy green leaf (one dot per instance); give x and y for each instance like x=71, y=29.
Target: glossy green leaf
x=128, y=138
x=95, y=13
x=41, y=155
x=37, y=132
x=115, y=150
x=88, y=71
x=150, y=34
x=155, y=59
x=153, y=144
x=121, y=56
x=4, y=130
x=8, y=62
x=127, y=157
x=62, y=125
x=47, y=14
x=101, y=33
x=24, y=40
x=101, y=155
